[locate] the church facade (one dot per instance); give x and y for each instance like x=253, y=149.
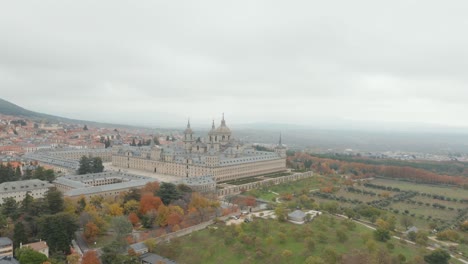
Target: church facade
x=218, y=154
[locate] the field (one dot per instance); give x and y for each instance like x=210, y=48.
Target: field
x=269, y=241
x=452, y=192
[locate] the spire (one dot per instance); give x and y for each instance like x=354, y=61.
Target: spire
x=152, y=142
x=213, y=125
x=188, y=123
x=223, y=122
x=280, y=141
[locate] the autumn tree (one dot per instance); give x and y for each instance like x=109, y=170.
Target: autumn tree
x=90, y=257
x=150, y=187
x=133, y=218
x=115, y=209
x=91, y=231
x=73, y=258
x=132, y=206
x=149, y=202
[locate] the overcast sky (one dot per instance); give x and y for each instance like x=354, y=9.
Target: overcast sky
x=160, y=62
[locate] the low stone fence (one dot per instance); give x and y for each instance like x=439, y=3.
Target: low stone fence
x=267, y=182
x=183, y=232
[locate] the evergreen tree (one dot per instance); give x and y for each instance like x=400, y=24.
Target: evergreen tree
x=55, y=201
x=168, y=192
x=97, y=165
x=58, y=230
x=438, y=256
x=133, y=143
x=10, y=207
x=19, y=235
x=84, y=165
x=85, y=127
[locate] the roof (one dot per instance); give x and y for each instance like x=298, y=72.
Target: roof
x=8, y=260
x=37, y=245
x=153, y=258
x=139, y=246
x=297, y=214
x=5, y=241
x=23, y=185
x=412, y=229
x=106, y=188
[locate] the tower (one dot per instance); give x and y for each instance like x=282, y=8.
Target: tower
x=280, y=148
x=188, y=138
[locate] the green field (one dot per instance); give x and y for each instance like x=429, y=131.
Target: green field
x=269, y=241
x=452, y=192
x=296, y=187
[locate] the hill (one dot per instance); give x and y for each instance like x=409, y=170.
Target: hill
x=8, y=108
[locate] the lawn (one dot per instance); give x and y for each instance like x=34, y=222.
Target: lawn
x=296, y=187
x=269, y=241
x=452, y=192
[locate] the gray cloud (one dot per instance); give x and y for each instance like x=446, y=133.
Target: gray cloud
x=158, y=62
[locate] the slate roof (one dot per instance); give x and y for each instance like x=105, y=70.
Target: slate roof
x=297, y=214
x=154, y=258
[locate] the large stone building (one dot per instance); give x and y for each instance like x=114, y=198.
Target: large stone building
x=18, y=189
x=218, y=154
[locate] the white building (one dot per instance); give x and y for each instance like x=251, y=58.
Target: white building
x=18, y=189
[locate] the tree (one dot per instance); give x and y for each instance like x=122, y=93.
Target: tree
x=406, y=221
x=341, y=236
x=97, y=165
x=85, y=127
x=58, y=230
x=10, y=207
x=133, y=218
x=381, y=234
x=55, y=201
x=438, y=256
x=281, y=213
x=91, y=231
x=84, y=165
x=26, y=255
x=149, y=202
x=73, y=258
x=90, y=257
x=168, y=192
x=121, y=226
x=19, y=235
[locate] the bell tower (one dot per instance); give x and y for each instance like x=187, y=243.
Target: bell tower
x=188, y=138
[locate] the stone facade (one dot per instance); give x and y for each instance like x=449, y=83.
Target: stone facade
x=219, y=155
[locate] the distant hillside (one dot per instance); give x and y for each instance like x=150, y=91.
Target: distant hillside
x=8, y=108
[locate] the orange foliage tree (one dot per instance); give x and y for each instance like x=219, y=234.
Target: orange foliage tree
x=133, y=218
x=90, y=257
x=91, y=231
x=149, y=202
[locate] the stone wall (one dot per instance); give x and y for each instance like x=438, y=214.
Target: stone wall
x=267, y=182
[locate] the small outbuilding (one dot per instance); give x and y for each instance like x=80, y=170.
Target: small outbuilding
x=297, y=216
